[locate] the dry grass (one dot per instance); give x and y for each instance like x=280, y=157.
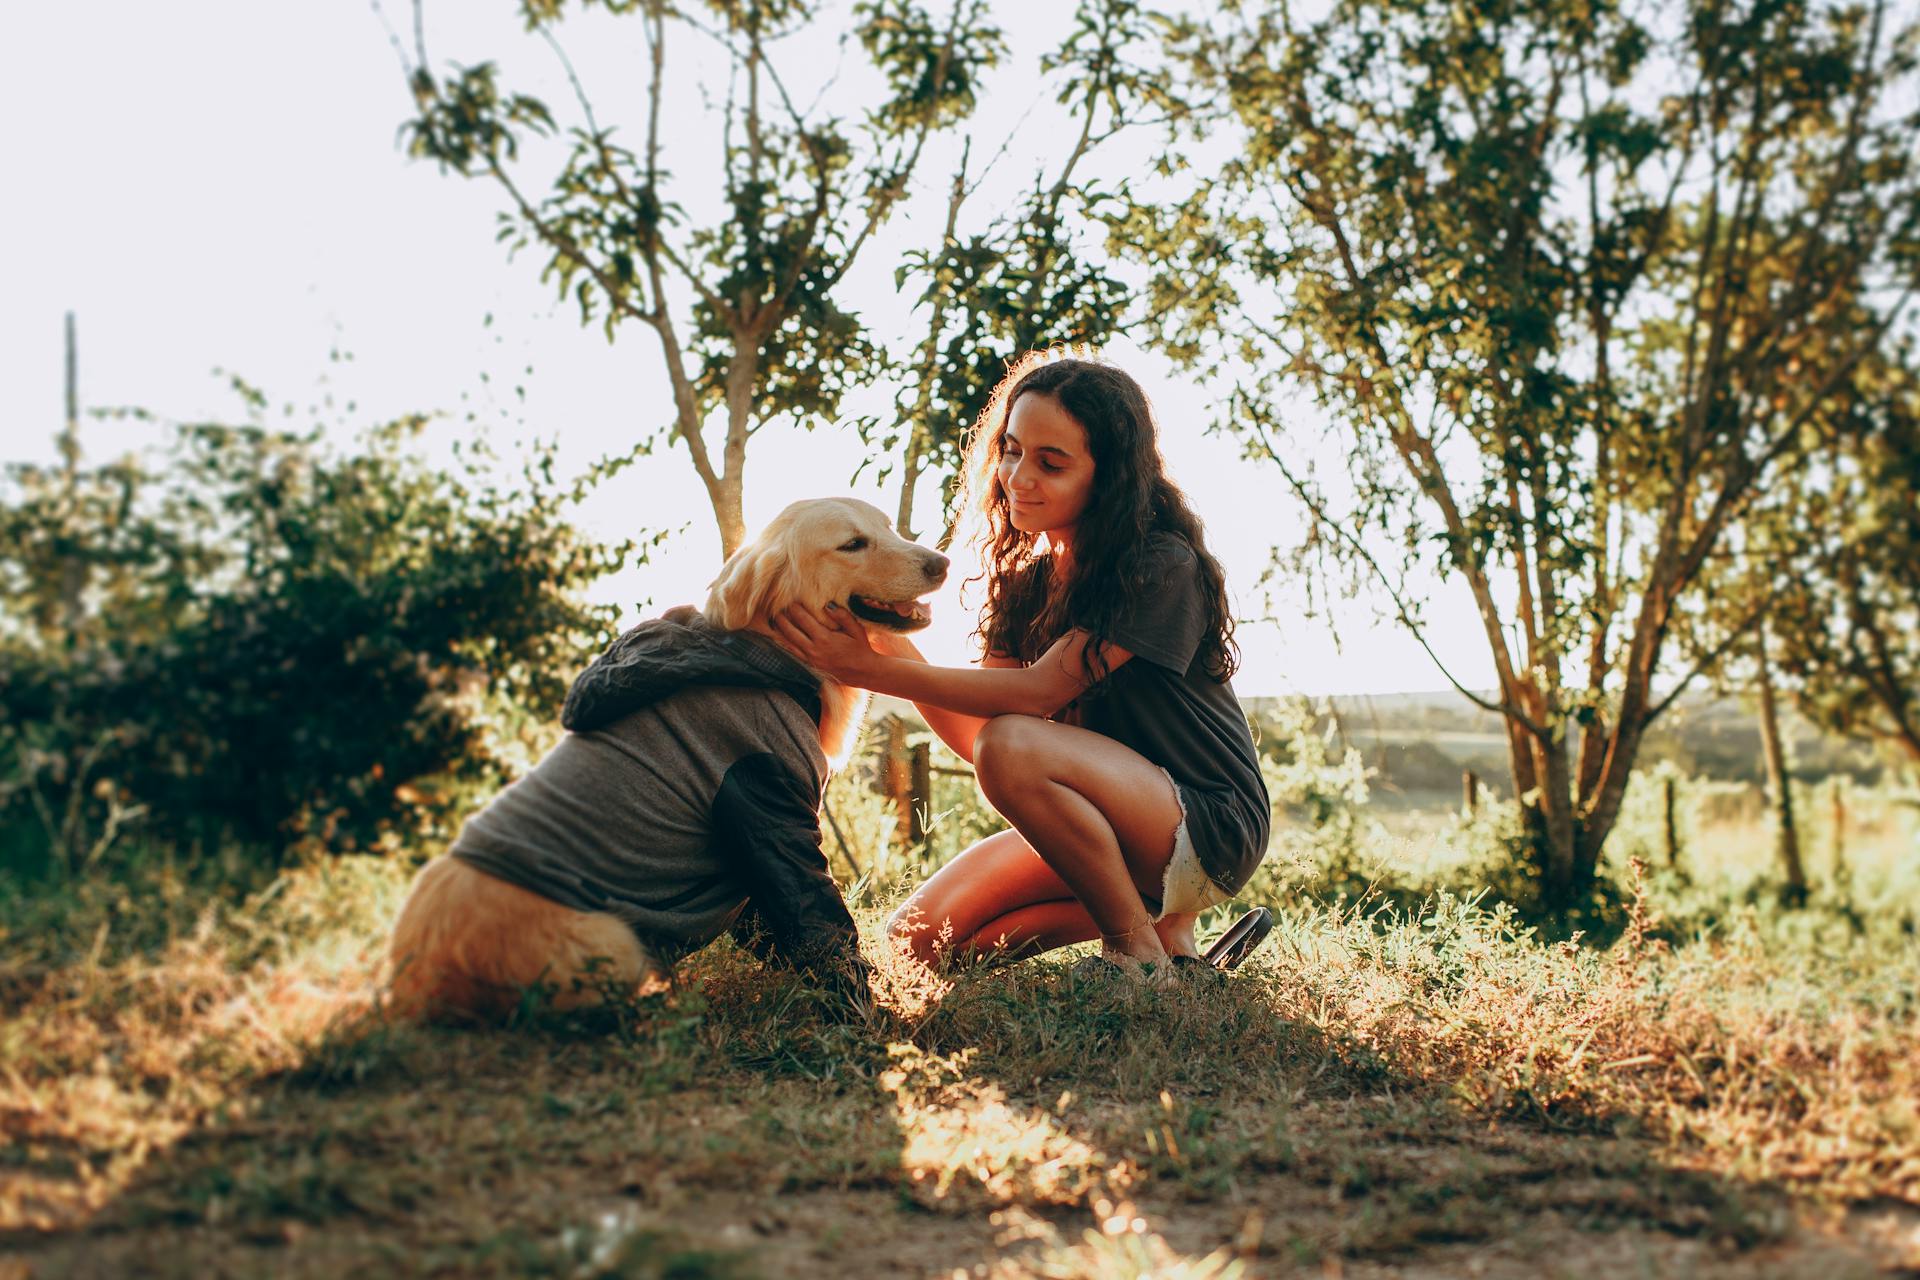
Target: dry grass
x=1373, y=1093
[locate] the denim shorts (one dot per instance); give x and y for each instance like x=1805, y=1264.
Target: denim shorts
x=1186, y=887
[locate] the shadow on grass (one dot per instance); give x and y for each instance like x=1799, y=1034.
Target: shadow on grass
x=730, y=1128
x=559, y=1145
x=1209, y=1117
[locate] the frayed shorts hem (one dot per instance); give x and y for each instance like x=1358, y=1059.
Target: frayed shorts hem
x=1186, y=887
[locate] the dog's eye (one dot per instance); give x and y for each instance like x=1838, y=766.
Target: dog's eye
x=854, y=544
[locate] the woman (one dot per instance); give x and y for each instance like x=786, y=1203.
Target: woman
x=1102, y=722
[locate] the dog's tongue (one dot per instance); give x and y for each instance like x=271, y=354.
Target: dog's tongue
x=903, y=608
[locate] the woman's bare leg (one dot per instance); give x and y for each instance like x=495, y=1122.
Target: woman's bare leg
x=981, y=900
x=1176, y=933
x=943, y=922
x=1094, y=824
x=1030, y=931
x=1097, y=812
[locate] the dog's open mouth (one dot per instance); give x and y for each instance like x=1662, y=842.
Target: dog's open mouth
x=901, y=615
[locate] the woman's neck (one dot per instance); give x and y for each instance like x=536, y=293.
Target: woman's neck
x=1059, y=548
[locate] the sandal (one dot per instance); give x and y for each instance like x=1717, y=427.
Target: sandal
x=1233, y=946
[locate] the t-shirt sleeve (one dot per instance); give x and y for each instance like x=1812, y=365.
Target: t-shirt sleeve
x=1167, y=620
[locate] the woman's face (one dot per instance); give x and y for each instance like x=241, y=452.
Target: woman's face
x=1046, y=468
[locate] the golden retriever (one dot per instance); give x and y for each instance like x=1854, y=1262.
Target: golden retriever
x=467, y=944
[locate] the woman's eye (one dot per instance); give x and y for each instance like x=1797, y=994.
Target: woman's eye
x=857, y=544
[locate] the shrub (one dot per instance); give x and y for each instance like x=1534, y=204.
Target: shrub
x=256, y=638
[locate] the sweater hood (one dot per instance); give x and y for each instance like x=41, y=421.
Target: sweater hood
x=661, y=656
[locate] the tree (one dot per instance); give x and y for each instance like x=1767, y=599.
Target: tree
x=1036, y=276
x=744, y=307
x=1570, y=285
x=1786, y=826
x=1845, y=547
x=1830, y=555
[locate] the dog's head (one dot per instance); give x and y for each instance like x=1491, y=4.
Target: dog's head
x=828, y=550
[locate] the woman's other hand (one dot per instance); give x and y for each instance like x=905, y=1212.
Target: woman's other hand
x=834, y=643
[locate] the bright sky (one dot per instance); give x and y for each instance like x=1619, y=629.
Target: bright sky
x=220, y=187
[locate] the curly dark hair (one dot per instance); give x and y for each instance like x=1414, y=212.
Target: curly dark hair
x=1025, y=610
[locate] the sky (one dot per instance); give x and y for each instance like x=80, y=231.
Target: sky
x=218, y=187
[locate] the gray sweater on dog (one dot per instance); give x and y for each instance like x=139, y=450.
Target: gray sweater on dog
x=690, y=783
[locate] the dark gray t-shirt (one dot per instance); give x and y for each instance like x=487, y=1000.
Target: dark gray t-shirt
x=1165, y=706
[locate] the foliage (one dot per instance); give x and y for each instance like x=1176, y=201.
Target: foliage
x=1840, y=551
x=1034, y=275
x=1570, y=285
x=1328, y=847
x=1321, y=802
x=273, y=643
x=760, y=334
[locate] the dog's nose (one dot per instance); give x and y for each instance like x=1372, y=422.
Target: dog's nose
x=936, y=566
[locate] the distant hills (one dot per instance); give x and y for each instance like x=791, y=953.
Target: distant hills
x=1420, y=742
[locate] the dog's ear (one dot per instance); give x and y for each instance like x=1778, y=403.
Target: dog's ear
x=751, y=584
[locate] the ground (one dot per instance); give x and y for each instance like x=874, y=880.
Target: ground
x=1433, y=1096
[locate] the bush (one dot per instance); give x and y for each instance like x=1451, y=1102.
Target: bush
x=255, y=639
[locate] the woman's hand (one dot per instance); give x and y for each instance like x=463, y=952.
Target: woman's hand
x=836, y=644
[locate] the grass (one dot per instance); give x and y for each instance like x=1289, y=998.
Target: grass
x=192, y=1083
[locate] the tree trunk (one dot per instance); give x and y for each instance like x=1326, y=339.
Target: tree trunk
x=1565, y=860
x=1786, y=836
x=742, y=375
x=1521, y=762
x=917, y=430
x=729, y=515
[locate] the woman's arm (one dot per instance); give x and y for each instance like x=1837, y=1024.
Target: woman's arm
x=955, y=729
x=838, y=645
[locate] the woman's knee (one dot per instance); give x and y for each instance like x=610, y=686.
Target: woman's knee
x=1004, y=753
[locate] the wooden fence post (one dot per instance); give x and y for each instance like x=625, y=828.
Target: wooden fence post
x=906, y=778
x=896, y=779
x=1837, y=786
x=1672, y=827
x=1470, y=791
x=919, y=792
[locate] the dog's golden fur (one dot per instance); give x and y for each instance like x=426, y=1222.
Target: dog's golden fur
x=468, y=943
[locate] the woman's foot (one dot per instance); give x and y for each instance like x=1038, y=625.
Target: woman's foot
x=1176, y=935
x=1134, y=953
x=1138, y=945
x=1197, y=972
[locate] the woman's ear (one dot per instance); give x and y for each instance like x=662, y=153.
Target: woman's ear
x=757, y=579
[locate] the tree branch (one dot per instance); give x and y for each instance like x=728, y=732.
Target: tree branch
x=1713, y=656
x=1504, y=707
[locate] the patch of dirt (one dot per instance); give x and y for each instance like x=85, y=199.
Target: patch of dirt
x=1276, y=1225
